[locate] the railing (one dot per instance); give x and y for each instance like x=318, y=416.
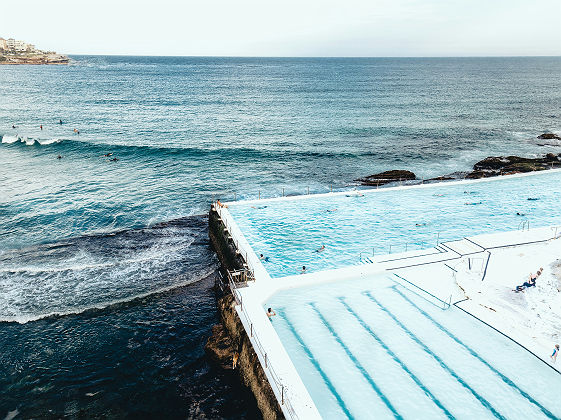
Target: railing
x=524, y=225
x=408, y=246
x=445, y=304
x=260, y=349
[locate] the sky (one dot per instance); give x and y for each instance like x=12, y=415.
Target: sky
x=287, y=28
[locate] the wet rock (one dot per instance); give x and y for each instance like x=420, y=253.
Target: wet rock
x=387, y=177
x=549, y=136
x=220, y=347
x=505, y=165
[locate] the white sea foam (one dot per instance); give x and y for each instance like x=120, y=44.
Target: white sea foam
x=28, y=141
x=25, y=318
x=48, y=141
x=9, y=139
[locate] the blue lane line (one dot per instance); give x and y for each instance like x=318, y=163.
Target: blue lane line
x=357, y=363
x=396, y=359
x=505, y=379
x=316, y=364
x=482, y=400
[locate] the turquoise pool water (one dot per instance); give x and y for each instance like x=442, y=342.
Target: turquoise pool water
x=373, y=349
x=288, y=232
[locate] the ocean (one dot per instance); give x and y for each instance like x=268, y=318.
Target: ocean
x=106, y=271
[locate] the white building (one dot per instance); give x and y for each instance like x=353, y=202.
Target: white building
x=16, y=45
x=3, y=44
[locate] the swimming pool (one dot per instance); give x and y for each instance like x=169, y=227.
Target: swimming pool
x=289, y=231
x=369, y=348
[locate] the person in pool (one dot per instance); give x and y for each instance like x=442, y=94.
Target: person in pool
x=555, y=353
x=263, y=258
x=270, y=312
x=303, y=270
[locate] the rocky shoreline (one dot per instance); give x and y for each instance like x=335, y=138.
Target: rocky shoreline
x=35, y=59
x=488, y=167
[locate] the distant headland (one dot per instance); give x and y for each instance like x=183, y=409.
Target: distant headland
x=13, y=51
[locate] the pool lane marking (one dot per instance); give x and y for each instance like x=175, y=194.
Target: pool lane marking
x=482, y=400
x=505, y=379
x=396, y=359
x=316, y=364
x=356, y=363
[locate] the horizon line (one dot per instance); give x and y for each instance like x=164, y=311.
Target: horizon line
x=314, y=56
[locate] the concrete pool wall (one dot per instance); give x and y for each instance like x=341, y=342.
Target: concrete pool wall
x=251, y=300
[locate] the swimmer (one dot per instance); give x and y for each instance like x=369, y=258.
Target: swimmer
x=303, y=270
x=108, y=154
x=270, y=312
x=520, y=214
x=420, y=224
x=473, y=204
x=60, y=122
x=263, y=258
x=533, y=198
x=438, y=195
x=41, y=126
x=331, y=210
x=13, y=126
x=555, y=353
x=76, y=131
x=321, y=249
x=59, y=157
x=259, y=207
x=113, y=160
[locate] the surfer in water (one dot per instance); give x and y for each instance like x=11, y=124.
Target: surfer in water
x=113, y=160
x=108, y=154
x=60, y=122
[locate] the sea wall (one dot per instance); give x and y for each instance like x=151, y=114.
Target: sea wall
x=230, y=339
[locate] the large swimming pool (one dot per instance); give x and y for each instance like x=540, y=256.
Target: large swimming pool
x=371, y=348
x=289, y=231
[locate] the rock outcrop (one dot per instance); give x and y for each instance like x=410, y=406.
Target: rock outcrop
x=387, y=177
x=506, y=165
x=549, y=136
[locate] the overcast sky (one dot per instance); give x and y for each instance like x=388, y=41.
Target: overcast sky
x=287, y=27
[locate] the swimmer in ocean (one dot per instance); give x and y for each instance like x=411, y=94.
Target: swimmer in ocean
x=303, y=270
x=473, y=204
x=420, y=224
x=321, y=249
x=113, y=160
x=532, y=199
x=331, y=210
x=259, y=207
x=108, y=154
x=60, y=122
x=520, y=214
x=263, y=258
x=59, y=157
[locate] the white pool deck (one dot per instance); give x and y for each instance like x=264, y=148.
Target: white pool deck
x=451, y=271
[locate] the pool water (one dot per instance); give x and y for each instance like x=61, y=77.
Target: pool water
x=372, y=348
x=288, y=232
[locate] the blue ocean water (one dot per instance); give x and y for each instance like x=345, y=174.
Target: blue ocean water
x=105, y=295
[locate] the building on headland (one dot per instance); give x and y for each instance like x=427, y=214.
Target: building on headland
x=19, y=46
x=13, y=51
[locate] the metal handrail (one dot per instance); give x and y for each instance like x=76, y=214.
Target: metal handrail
x=446, y=305
x=258, y=347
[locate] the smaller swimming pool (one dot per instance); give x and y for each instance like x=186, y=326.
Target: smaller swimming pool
x=370, y=347
x=290, y=231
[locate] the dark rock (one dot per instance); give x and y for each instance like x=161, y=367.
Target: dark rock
x=549, y=136
x=504, y=165
x=387, y=177
x=220, y=347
